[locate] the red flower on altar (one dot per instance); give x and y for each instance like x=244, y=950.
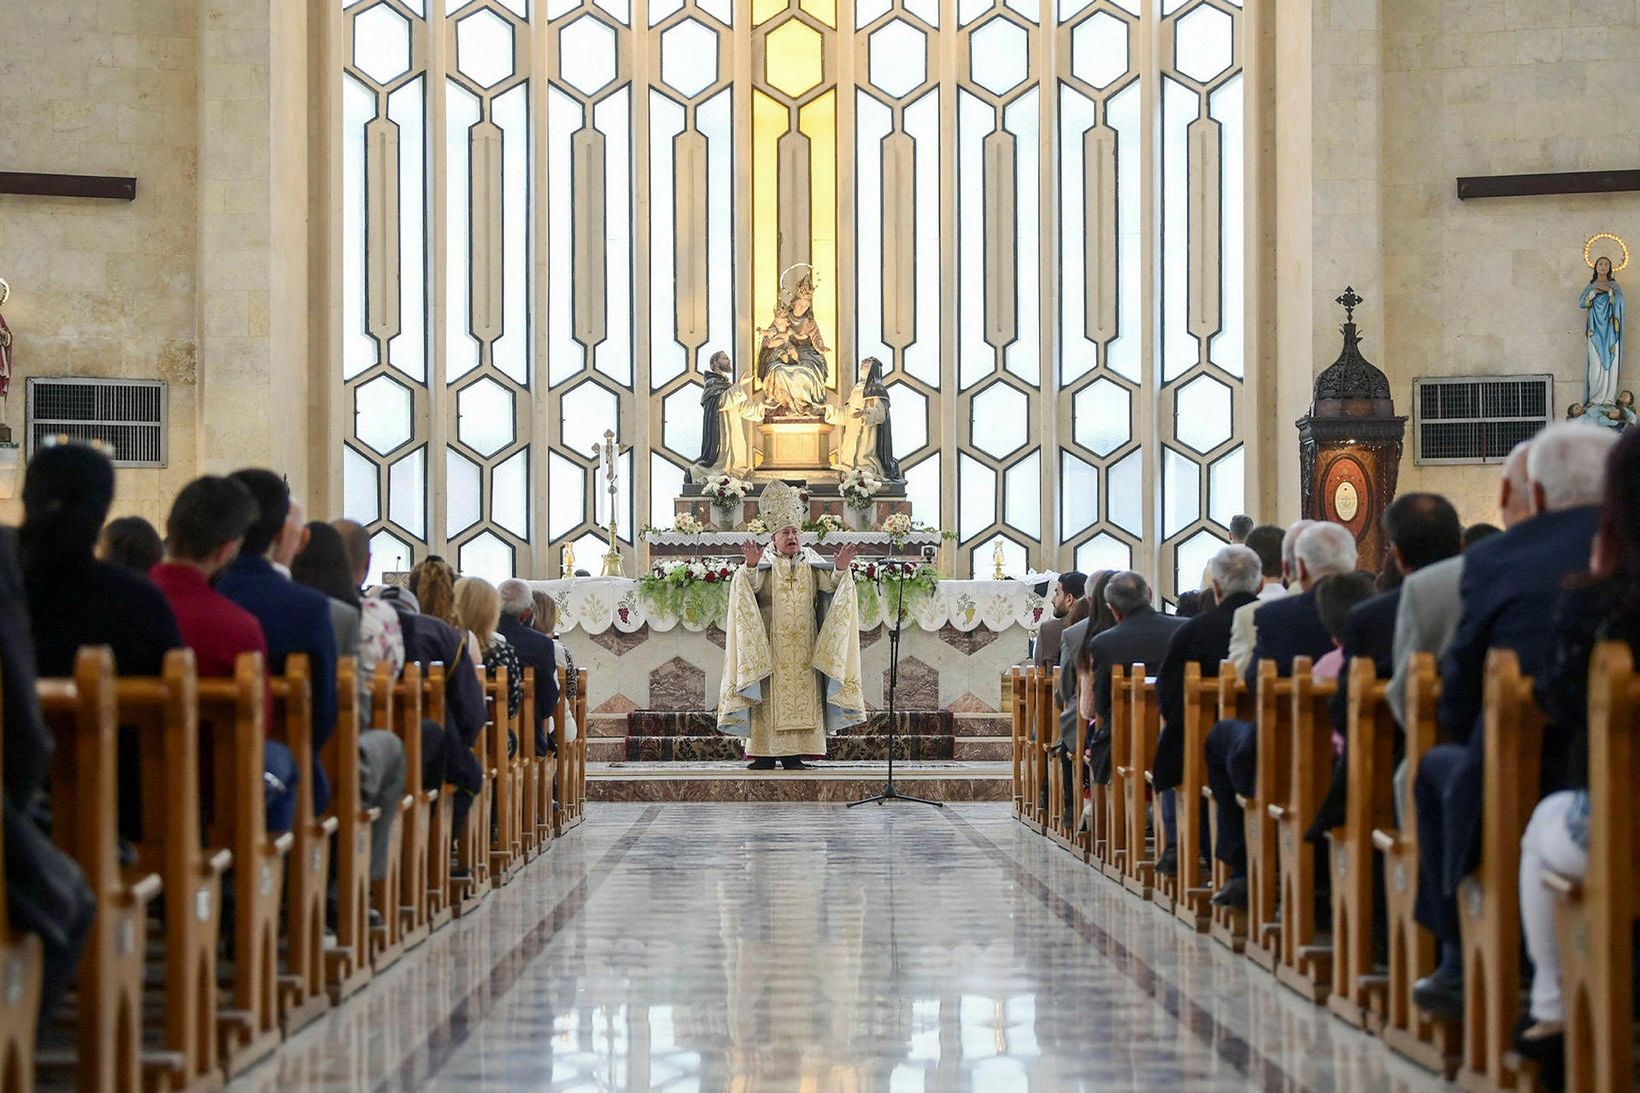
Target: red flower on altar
x=871, y=572
x=724, y=573
x=711, y=578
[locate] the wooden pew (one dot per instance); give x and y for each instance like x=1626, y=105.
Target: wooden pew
x=1013, y=697
x=1406, y=1029
x=20, y=972
x=1117, y=835
x=1303, y=963
x=579, y=749
x=303, y=997
x=231, y=712
x=565, y=783
x=502, y=839
x=1359, y=991
x=1144, y=726
x=1191, y=888
x=1489, y=899
x=1037, y=787
x=546, y=776
x=84, y=803
x=440, y=803
x=347, y=963
x=529, y=769
x=1229, y=924
x=386, y=894
x=1273, y=702
x=472, y=885
x=1596, y=915
x=1059, y=827
x=416, y=813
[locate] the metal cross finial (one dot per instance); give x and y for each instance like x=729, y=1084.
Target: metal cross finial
x=1350, y=301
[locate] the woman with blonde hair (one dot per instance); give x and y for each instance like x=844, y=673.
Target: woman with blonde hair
x=432, y=582
x=478, y=607
x=545, y=619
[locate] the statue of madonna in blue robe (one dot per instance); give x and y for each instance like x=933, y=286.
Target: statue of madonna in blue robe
x=1602, y=303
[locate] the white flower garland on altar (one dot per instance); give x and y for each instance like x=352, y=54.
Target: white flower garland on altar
x=596, y=604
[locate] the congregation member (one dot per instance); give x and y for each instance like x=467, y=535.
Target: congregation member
x=294, y=619
x=1275, y=549
x=1336, y=598
x=1602, y=605
x=535, y=650
x=381, y=639
x=1284, y=628
x=1236, y=576
x=1075, y=677
x=1426, y=615
x=1138, y=634
x=1510, y=585
x=131, y=543
x=76, y=600
x=46, y=891
x=203, y=533
x=1067, y=610
x=478, y=605
x=1240, y=527
x=545, y=621
x=321, y=563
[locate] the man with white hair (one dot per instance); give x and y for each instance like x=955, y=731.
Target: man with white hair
x=1285, y=628
x=535, y=650
x=1235, y=574
x=1243, y=632
x=1509, y=588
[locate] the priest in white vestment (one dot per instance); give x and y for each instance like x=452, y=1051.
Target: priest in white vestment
x=790, y=679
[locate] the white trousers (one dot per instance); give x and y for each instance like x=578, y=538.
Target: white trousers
x=1547, y=845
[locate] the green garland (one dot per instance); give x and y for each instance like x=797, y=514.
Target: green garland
x=695, y=601
x=911, y=593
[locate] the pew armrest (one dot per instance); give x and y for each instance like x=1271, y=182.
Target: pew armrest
x=1275, y=812
x=329, y=825
x=1242, y=802
x=1150, y=778
x=141, y=888
x=219, y=861
x=1563, y=886
x=283, y=843
x=370, y=815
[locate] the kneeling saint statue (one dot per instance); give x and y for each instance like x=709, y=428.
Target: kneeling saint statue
x=791, y=670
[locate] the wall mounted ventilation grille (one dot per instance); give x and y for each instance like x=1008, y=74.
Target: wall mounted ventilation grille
x=126, y=415
x=1473, y=419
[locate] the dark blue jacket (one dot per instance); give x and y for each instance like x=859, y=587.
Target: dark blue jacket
x=295, y=619
x=426, y=641
x=535, y=650
x=1204, y=640
x=1288, y=627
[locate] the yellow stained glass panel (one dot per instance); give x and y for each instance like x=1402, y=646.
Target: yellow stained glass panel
x=818, y=122
x=793, y=58
x=823, y=10
x=764, y=10
x=769, y=120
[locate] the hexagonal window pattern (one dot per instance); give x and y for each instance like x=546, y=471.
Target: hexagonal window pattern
x=361, y=483
x=1078, y=494
x=899, y=58
x=983, y=559
x=1099, y=49
x=999, y=56
x=382, y=416
x=484, y=417
x=1001, y=420
x=1203, y=43
x=681, y=421
x=484, y=48
x=1191, y=557
x=586, y=55
x=1226, y=486
x=463, y=492
x=1103, y=416
x=1103, y=551
x=388, y=554
x=793, y=59
x=1201, y=411
x=487, y=556
x=910, y=418
x=381, y=44
x=587, y=411
x=689, y=58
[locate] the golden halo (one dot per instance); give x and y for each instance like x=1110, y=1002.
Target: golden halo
x=1587, y=261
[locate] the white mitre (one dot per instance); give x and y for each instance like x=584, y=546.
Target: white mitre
x=780, y=506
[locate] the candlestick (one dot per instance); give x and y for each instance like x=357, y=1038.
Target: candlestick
x=606, y=450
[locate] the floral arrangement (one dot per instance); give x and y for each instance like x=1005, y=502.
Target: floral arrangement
x=825, y=525
x=858, y=487
x=687, y=524
x=725, y=491
x=905, y=583
x=898, y=528
x=695, y=590
x=756, y=526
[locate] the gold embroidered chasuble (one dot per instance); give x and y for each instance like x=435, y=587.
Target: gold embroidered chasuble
x=787, y=683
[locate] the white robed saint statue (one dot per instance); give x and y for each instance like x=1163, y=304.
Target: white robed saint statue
x=791, y=672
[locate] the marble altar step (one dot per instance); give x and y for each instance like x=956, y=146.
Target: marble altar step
x=830, y=781
x=673, y=749
x=702, y=724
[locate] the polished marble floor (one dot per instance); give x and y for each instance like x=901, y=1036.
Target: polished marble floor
x=804, y=947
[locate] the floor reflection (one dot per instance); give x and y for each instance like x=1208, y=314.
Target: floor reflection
x=771, y=947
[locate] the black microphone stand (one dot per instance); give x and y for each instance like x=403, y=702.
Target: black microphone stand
x=889, y=793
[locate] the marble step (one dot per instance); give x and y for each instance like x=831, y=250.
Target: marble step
x=828, y=781
x=996, y=749
x=702, y=724
x=671, y=749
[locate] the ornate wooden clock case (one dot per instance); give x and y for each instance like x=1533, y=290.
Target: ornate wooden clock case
x=1349, y=444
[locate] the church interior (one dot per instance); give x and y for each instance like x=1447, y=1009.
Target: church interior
x=1167, y=462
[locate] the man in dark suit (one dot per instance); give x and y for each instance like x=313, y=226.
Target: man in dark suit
x=1288, y=627
x=1509, y=589
x=1067, y=593
x=294, y=618
x=534, y=651
x=1422, y=529
x=1235, y=576
x=1141, y=635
